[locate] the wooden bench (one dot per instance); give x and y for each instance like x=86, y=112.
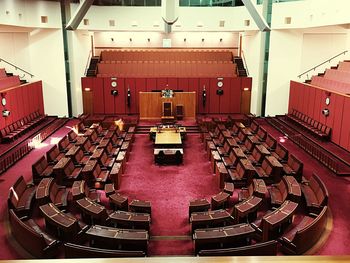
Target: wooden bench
x=306, y=234
x=80, y=251
x=29, y=235
x=268, y=248
x=315, y=193
x=20, y=197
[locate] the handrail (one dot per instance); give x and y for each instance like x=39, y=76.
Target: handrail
x=88, y=63
x=245, y=63
x=17, y=68
x=324, y=62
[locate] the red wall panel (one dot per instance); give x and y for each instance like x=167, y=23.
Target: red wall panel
x=162, y=83
x=310, y=102
x=108, y=97
x=183, y=84
x=134, y=98
x=203, y=83
x=193, y=85
x=317, y=107
x=214, y=99
x=120, y=99
x=151, y=84
x=98, y=94
x=323, y=106
x=225, y=99
x=331, y=108
x=172, y=82
x=338, y=101
x=235, y=94
x=345, y=129
x=305, y=98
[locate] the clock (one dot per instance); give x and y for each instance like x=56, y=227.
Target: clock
x=3, y=101
x=113, y=84
x=328, y=101
x=220, y=84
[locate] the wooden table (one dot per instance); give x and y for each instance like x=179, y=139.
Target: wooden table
x=130, y=220
x=117, y=238
x=210, y=219
x=198, y=205
x=220, y=237
x=92, y=212
x=42, y=193
x=272, y=222
x=65, y=226
x=140, y=206
x=219, y=201
x=246, y=208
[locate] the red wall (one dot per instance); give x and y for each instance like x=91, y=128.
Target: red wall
x=21, y=101
x=310, y=100
x=105, y=103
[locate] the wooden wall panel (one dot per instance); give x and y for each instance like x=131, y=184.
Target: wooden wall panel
x=214, y=99
x=162, y=83
x=98, y=95
x=310, y=102
x=235, y=93
x=120, y=99
x=226, y=99
x=173, y=83
x=317, y=103
x=183, y=84
x=151, y=104
x=151, y=84
x=338, y=101
x=345, y=129
x=108, y=97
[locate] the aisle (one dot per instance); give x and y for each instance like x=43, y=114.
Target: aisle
x=169, y=188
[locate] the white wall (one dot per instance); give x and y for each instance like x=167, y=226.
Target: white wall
x=284, y=65
x=140, y=39
x=252, y=42
x=14, y=49
x=47, y=64
x=79, y=50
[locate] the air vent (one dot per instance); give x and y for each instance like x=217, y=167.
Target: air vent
x=247, y=22
x=221, y=23
x=111, y=22
x=44, y=19
x=288, y=20
x=86, y=22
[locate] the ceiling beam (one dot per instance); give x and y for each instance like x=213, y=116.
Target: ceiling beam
x=75, y=20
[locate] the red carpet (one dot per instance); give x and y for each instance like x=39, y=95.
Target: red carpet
x=169, y=188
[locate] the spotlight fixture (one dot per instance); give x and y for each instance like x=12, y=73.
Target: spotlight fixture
x=220, y=39
x=185, y=39
x=130, y=39
x=112, y=39
x=148, y=39
x=202, y=39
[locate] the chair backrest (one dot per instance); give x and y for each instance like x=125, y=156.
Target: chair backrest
x=16, y=191
x=52, y=153
x=167, y=108
x=71, y=135
x=37, y=167
x=281, y=151
x=270, y=141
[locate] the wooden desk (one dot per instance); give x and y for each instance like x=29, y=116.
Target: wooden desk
x=210, y=219
x=42, y=193
x=259, y=187
x=277, y=168
x=140, y=206
x=116, y=175
x=92, y=212
x=58, y=169
x=275, y=220
x=220, y=237
x=65, y=226
x=246, y=208
x=219, y=201
x=88, y=171
x=221, y=174
x=130, y=220
x=118, y=201
x=198, y=205
x=78, y=190
x=167, y=138
x=72, y=151
x=293, y=187
x=81, y=141
x=116, y=238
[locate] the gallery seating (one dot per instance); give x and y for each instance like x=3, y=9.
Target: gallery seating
x=64, y=145
x=293, y=167
x=243, y=173
x=235, y=155
x=278, y=193
x=79, y=157
x=268, y=248
x=53, y=155
x=80, y=251
x=41, y=169
x=104, y=160
x=21, y=196
x=257, y=187
x=281, y=153
x=315, y=193
x=306, y=234
x=80, y=190
x=254, y=127
x=269, y=143
x=49, y=192
x=316, y=128
x=30, y=236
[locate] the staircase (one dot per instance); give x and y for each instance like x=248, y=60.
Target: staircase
x=92, y=70
x=23, y=81
x=242, y=72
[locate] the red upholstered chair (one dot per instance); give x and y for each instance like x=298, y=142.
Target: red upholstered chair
x=54, y=155
x=41, y=169
x=21, y=197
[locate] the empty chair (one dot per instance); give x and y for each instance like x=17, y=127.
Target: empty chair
x=41, y=169
x=270, y=143
x=64, y=145
x=20, y=197
x=281, y=153
x=315, y=193
x=54, y=155
x=72, y=136
x=278, y=193
x=293, y=167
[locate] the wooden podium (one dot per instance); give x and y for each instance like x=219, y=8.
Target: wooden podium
x=151, y=105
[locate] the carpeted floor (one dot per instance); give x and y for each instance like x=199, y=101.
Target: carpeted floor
x=170, y=188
